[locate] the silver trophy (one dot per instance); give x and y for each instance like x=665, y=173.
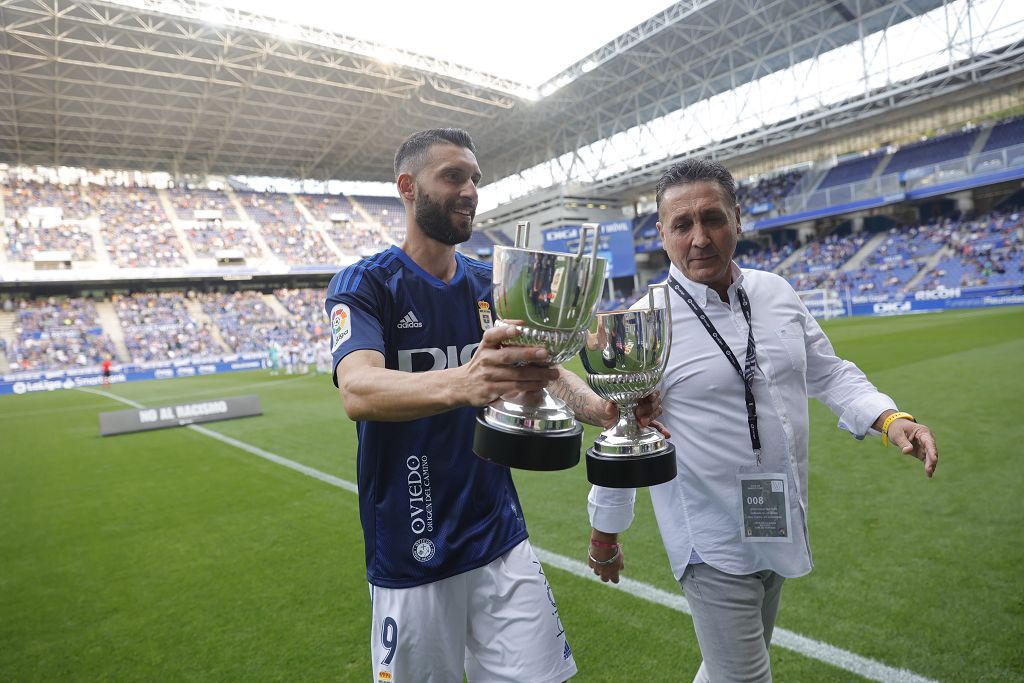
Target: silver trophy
x=625, y=357
x=554, y=296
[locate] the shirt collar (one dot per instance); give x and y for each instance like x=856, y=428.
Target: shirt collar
x=699, y=291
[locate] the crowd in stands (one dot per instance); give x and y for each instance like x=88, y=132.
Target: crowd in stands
x=246, y=322
x=892, y=264
x=20, y=196
x=307, y=307
x=24, y=240
x=328, y=207
x=209, y=237
x=57, y=332
x=158, y=326
x=986, y=251
x=357, y=239
x=266, y=207
x=766, y=258
x=189, y=200
x=763, y=195
x=388, y=212
x=820, y=260
x=143, y=246
x=135, y=229
x=300, y=245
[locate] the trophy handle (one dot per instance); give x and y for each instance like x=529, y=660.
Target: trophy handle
x=584, y=229
x=522, y=234
x=663, y=287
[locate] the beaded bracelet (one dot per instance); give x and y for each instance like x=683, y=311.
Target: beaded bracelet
x=602, y=544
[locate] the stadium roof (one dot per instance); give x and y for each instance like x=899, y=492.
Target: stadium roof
x=156, y=86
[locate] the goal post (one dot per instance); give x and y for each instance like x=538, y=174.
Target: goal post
x=824, y=304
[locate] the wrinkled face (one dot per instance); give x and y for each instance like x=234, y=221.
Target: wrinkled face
x=445, y=194
x=699, y=230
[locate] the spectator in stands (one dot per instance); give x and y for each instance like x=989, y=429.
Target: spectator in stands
x=746, y=479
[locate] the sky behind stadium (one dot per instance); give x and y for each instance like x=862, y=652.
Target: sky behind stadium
x=527, y=41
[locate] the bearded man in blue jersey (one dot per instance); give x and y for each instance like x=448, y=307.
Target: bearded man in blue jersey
x=454, y=583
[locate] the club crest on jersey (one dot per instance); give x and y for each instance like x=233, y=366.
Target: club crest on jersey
x=486, y=321
x=341, y=326
x=423, y=550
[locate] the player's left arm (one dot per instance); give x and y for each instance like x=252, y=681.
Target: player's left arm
x=913, y=438
x=588, y=407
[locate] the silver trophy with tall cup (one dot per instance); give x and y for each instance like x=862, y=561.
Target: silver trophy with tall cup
x=553, y=297
x=624, y=356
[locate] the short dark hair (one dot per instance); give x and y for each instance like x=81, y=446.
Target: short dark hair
x=697, y=170
x=413, y=152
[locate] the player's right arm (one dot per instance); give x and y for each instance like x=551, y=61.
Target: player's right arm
x=370, y=391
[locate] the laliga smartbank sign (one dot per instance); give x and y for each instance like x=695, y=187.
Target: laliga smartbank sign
x=178, y=415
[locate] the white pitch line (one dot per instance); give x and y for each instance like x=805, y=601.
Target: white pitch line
x=815, y=649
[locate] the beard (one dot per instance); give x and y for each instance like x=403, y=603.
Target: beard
x=436, y=221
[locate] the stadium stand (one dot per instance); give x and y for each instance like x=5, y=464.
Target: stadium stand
x=1005, y=134
x=820, y=259
x=328, y=207
x=388, y=212
x=892, y=264
x=764, y=259
x=158, y=326
x=851, y=170
x=265, y=208
x=987, y=251
x=25, y=240
x=247, y=323
x=305, y=306
x=20, y=197
x=209, y=237
x=57, y=332
x=932, y=151
x=760, y=196
x=297, y=244
x=135, y=229
x=187, y=201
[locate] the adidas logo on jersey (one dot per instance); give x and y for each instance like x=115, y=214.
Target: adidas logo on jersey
x=410, y=320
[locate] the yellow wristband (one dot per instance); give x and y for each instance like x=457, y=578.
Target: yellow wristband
x=889, y=421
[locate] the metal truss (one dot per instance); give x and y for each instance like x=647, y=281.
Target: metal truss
x=993, y=67
x=161, y=85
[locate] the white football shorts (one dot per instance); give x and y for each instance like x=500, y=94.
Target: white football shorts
x=498, y=623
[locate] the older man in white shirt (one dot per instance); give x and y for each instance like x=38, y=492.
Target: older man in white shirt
x=746, y=356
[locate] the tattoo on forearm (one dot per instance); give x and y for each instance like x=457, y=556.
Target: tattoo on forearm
x=577, y=399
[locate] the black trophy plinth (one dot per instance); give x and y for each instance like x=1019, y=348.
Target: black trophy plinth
x=635, y=471
x=527, y=450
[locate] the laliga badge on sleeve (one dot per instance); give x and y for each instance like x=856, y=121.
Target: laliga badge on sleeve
x=341, y=326
x=764, y=504
x=484, y=308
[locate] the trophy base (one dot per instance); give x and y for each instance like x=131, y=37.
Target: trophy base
x=628, y=472
x=525, y=450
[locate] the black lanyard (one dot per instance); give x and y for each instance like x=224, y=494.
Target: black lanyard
x=746, y=373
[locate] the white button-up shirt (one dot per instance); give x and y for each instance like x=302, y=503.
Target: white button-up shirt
x=704, y=409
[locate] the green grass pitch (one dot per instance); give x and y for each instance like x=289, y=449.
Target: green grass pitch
x=171, y=556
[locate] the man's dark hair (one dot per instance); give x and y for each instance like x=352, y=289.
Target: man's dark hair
x=413, y=152
x=697, y=170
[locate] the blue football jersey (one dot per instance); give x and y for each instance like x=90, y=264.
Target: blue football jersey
x=429, y=507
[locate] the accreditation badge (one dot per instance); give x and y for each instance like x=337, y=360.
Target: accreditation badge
x=484, y=309
x=764, y=507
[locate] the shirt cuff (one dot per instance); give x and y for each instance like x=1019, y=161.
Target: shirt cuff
x=861, y=414
x=611, y=510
